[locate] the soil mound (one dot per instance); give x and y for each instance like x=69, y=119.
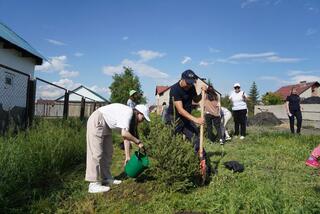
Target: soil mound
x=311, y=100
x=265, y=119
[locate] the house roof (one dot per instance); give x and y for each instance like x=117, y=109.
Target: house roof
x=161, y=89
x=87, y=93
x=301, y=87
x=13, y=40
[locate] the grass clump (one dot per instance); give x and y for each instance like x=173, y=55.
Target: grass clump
x=31, y=163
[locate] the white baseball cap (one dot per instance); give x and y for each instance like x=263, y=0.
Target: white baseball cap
x=143, y=109
x=236, y=85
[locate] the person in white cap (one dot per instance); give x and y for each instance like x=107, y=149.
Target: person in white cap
x=99, y=141
x=239, y=110
x=133, y=96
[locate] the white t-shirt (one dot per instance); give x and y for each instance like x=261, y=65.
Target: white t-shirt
x=237, y=100
x=131, y=104
x=117, y=115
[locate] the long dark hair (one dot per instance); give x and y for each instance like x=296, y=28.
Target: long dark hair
x=211, y=94
x=133, y=127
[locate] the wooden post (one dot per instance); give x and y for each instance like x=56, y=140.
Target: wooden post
x=83, y=106
x=66, y=105
x=202, y=126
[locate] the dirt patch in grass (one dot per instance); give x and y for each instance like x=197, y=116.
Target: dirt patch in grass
x=131, y=191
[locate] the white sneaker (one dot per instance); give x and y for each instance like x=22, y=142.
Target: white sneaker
x=221, y=142
x=228, y=138
x=96, y=187
x=242, y=137
x=113, y=181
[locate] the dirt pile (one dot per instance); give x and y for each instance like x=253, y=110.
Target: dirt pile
x=311, y=100
x=265, y=119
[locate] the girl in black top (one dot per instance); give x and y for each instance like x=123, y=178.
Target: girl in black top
x=294, y=110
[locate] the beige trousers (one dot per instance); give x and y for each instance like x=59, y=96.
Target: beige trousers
x=99, y=148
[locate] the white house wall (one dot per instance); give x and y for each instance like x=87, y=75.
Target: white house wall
x=13, y=59
x=307, y=93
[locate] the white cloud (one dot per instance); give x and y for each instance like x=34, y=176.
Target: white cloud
x=186, y=59
x=275, y=79
x=283, y=59
x=206, y=63
x=56, y=63
x=251, y=55
x=247, y=3
x=98, y=89
x=213, y=50
x=147, y=55
x=55, y=42
x=67, y=83
x=125, y=38
x=138, y=66
x=298, y=72
x=68, y=74
x=46, y=91
x=308, y=78
x=78, y=54
x=271, y=57
x=227, y=61
x=291, y=79
x=203, y=63
x=311, y=31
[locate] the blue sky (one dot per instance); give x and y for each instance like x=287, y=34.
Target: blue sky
x=272, y=42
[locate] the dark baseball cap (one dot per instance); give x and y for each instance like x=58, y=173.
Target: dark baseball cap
x=189, y=76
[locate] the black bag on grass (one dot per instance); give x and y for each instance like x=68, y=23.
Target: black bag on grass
x=235, y=166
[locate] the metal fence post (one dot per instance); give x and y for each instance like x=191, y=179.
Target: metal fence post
x=31, y=100
x=83, y=105
x=94, y=107
x=66, y=105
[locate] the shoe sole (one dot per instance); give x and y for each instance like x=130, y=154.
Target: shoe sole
x=313, y=166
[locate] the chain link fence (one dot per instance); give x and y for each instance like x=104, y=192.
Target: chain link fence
x=14, y=87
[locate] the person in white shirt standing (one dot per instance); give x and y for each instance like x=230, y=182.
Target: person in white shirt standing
x=239, y=110
x=99, y=141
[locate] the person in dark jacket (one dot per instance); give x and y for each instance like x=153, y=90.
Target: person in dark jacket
x=293, y=109
x=180, y=106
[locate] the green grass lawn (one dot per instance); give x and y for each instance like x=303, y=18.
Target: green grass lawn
x=275, y=180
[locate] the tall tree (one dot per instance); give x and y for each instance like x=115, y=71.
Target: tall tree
x=122, y=84
x=253, y=97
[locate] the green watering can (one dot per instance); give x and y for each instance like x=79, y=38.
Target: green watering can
x=137, y=164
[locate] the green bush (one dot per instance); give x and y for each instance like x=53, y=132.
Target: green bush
x=271, y=98
x=31, y=162
x=176, y=165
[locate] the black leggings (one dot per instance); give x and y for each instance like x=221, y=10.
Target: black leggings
x=240, y=118
x=298, y=115
x=216, y=122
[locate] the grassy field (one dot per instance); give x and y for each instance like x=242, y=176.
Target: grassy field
x=275, y=180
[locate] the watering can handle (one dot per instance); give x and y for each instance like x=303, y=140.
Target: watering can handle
x=144, y=151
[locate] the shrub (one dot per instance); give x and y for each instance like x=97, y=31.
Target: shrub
x=271, y=98
x=31, y=163
x=176, y=165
